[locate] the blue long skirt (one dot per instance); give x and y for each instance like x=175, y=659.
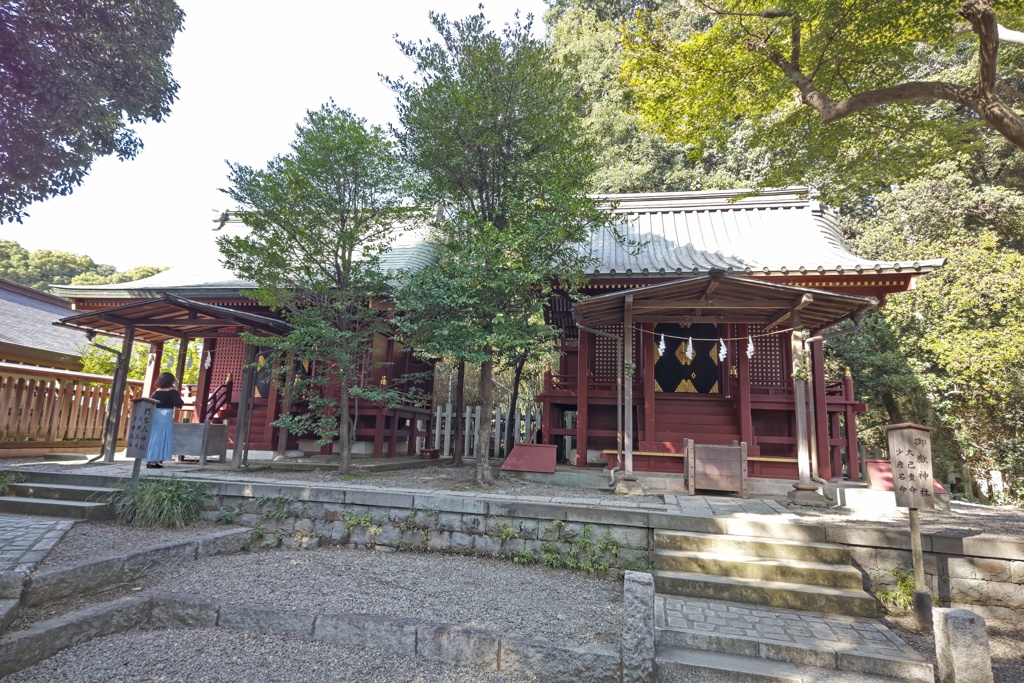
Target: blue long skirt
x=161, y=439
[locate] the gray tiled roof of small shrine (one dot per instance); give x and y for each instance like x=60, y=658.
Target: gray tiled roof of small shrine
x=205, y=276
x=29, y=316
x=776, y=232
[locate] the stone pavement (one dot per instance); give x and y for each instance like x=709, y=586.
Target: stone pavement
x=790, y=627
x=25, y=539
x=720, y=506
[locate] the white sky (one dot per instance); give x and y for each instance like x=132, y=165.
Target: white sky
x=248, y=71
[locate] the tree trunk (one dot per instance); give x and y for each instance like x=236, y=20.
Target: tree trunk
x=460, y=399
x=510, y=422
x=483, y=464
x=891, y=407
x=344, y=440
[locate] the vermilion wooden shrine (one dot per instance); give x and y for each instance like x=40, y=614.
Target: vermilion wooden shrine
x=204, y=301
x=697, y=272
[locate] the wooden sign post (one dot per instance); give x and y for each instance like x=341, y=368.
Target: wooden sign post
x=138, y=434
x=910, y=451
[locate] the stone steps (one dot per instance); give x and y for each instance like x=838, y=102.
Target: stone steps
x=75, y=509
x=756, y=546
x=799, y=638
x=8, y=611
x=94, y=494
x=762, y=568
x=782, y=594
x=679, y=665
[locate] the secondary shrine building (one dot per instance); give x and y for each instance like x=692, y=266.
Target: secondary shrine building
x=695, y=305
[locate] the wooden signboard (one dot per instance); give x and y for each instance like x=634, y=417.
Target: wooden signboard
x=140, y=428
x=716, y=468
x=910, y=450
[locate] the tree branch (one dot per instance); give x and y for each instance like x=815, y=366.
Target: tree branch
x=982, y=18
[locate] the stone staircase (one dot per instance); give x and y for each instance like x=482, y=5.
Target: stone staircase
x=770, y=609
x=58, y=495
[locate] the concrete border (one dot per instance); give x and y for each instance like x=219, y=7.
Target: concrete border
x=451, y=643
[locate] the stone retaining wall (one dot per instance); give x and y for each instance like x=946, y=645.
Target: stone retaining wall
x=589, y=538
x=982, y=573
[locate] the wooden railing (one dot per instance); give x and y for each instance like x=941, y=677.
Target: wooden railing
x=215, y=402
x=48, y=408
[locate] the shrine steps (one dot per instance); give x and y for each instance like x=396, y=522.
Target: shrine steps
x=57, y=500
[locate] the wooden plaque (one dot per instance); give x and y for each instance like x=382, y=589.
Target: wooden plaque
x=910, y=450
x=140, y=427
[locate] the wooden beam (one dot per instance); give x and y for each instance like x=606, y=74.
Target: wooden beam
x=798, y=305
x=116, y=404
x=627, y=357
x=644, y=306
x=244, y=406
x=687, y=319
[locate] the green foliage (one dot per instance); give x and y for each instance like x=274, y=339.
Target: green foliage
x=644, y=566
x=739, y=72
x=275, y=507
x=225, y=516
x=44, y=267
x=8, y=478
x=583, y=554
x=901, y=599
x=947, y=353
x=524, y=557
x=160, y=502
x=319, y=219
x=100, y=362
x=492, y=129
x=75, y=75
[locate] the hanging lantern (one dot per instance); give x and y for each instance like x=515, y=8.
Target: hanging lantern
x=750, y=347
x=722, y=351
x=689, y=349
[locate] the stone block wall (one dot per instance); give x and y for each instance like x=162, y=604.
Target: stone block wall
x=594, y=539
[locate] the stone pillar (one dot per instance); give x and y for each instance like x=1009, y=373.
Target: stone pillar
x=961, y=646
x=638, y=628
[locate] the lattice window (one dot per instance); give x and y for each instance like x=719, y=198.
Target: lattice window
x=605, y=363
x=228, y=358
x=769, y=362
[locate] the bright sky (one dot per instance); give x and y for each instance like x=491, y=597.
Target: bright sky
x=248, y=71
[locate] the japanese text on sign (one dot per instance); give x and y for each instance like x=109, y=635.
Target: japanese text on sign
x=910, y=451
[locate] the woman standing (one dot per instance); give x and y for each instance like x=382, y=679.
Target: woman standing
x=161, y=438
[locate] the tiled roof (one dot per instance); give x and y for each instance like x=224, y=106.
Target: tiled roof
x=206, y=276
x=27, y=319
x=777, y=232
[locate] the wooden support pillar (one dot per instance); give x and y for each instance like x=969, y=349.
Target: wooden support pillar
x=647, y=375
x=836, y=450
x=244, y=407
x=628, y=372
x=203, y=386
x=743, y=381
x=179, y=370
x=115, y=406
x=156, y=357
x=820, y=425
x=582, y=382
x=286, y=404
x=805, y=491
x=852, y=456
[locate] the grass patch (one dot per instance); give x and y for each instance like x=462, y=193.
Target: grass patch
x=8, y=478
x=901, y=599
x=165, y=502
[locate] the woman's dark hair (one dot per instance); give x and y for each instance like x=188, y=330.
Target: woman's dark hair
x=165, y=380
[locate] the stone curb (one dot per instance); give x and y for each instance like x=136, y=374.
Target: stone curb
x=451, y=643
x=93, y=575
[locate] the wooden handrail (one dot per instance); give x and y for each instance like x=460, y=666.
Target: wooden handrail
x=217, y=399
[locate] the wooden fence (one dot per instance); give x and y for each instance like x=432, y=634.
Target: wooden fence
x=44, y=408
x=523, y=425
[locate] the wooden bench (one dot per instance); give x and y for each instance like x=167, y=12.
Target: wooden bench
x=717, y=468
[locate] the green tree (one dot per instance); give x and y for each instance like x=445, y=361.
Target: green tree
x=319, y=219
x=130, y=275
x=494, y=130
x=947, y=353
x=74, y=74
x=845, y=95
x=44, y=267
x=101, y=362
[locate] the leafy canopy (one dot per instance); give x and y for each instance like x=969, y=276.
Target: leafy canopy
x=74, y=74
x=44, y=267
x=841, y=94
x=319, y=219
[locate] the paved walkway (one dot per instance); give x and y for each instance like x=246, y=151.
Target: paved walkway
x=780, y=626
x=25, y=539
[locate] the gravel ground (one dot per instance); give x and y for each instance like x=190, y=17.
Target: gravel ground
x=1005, y=639
x=453, y=589
x=220, y=656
